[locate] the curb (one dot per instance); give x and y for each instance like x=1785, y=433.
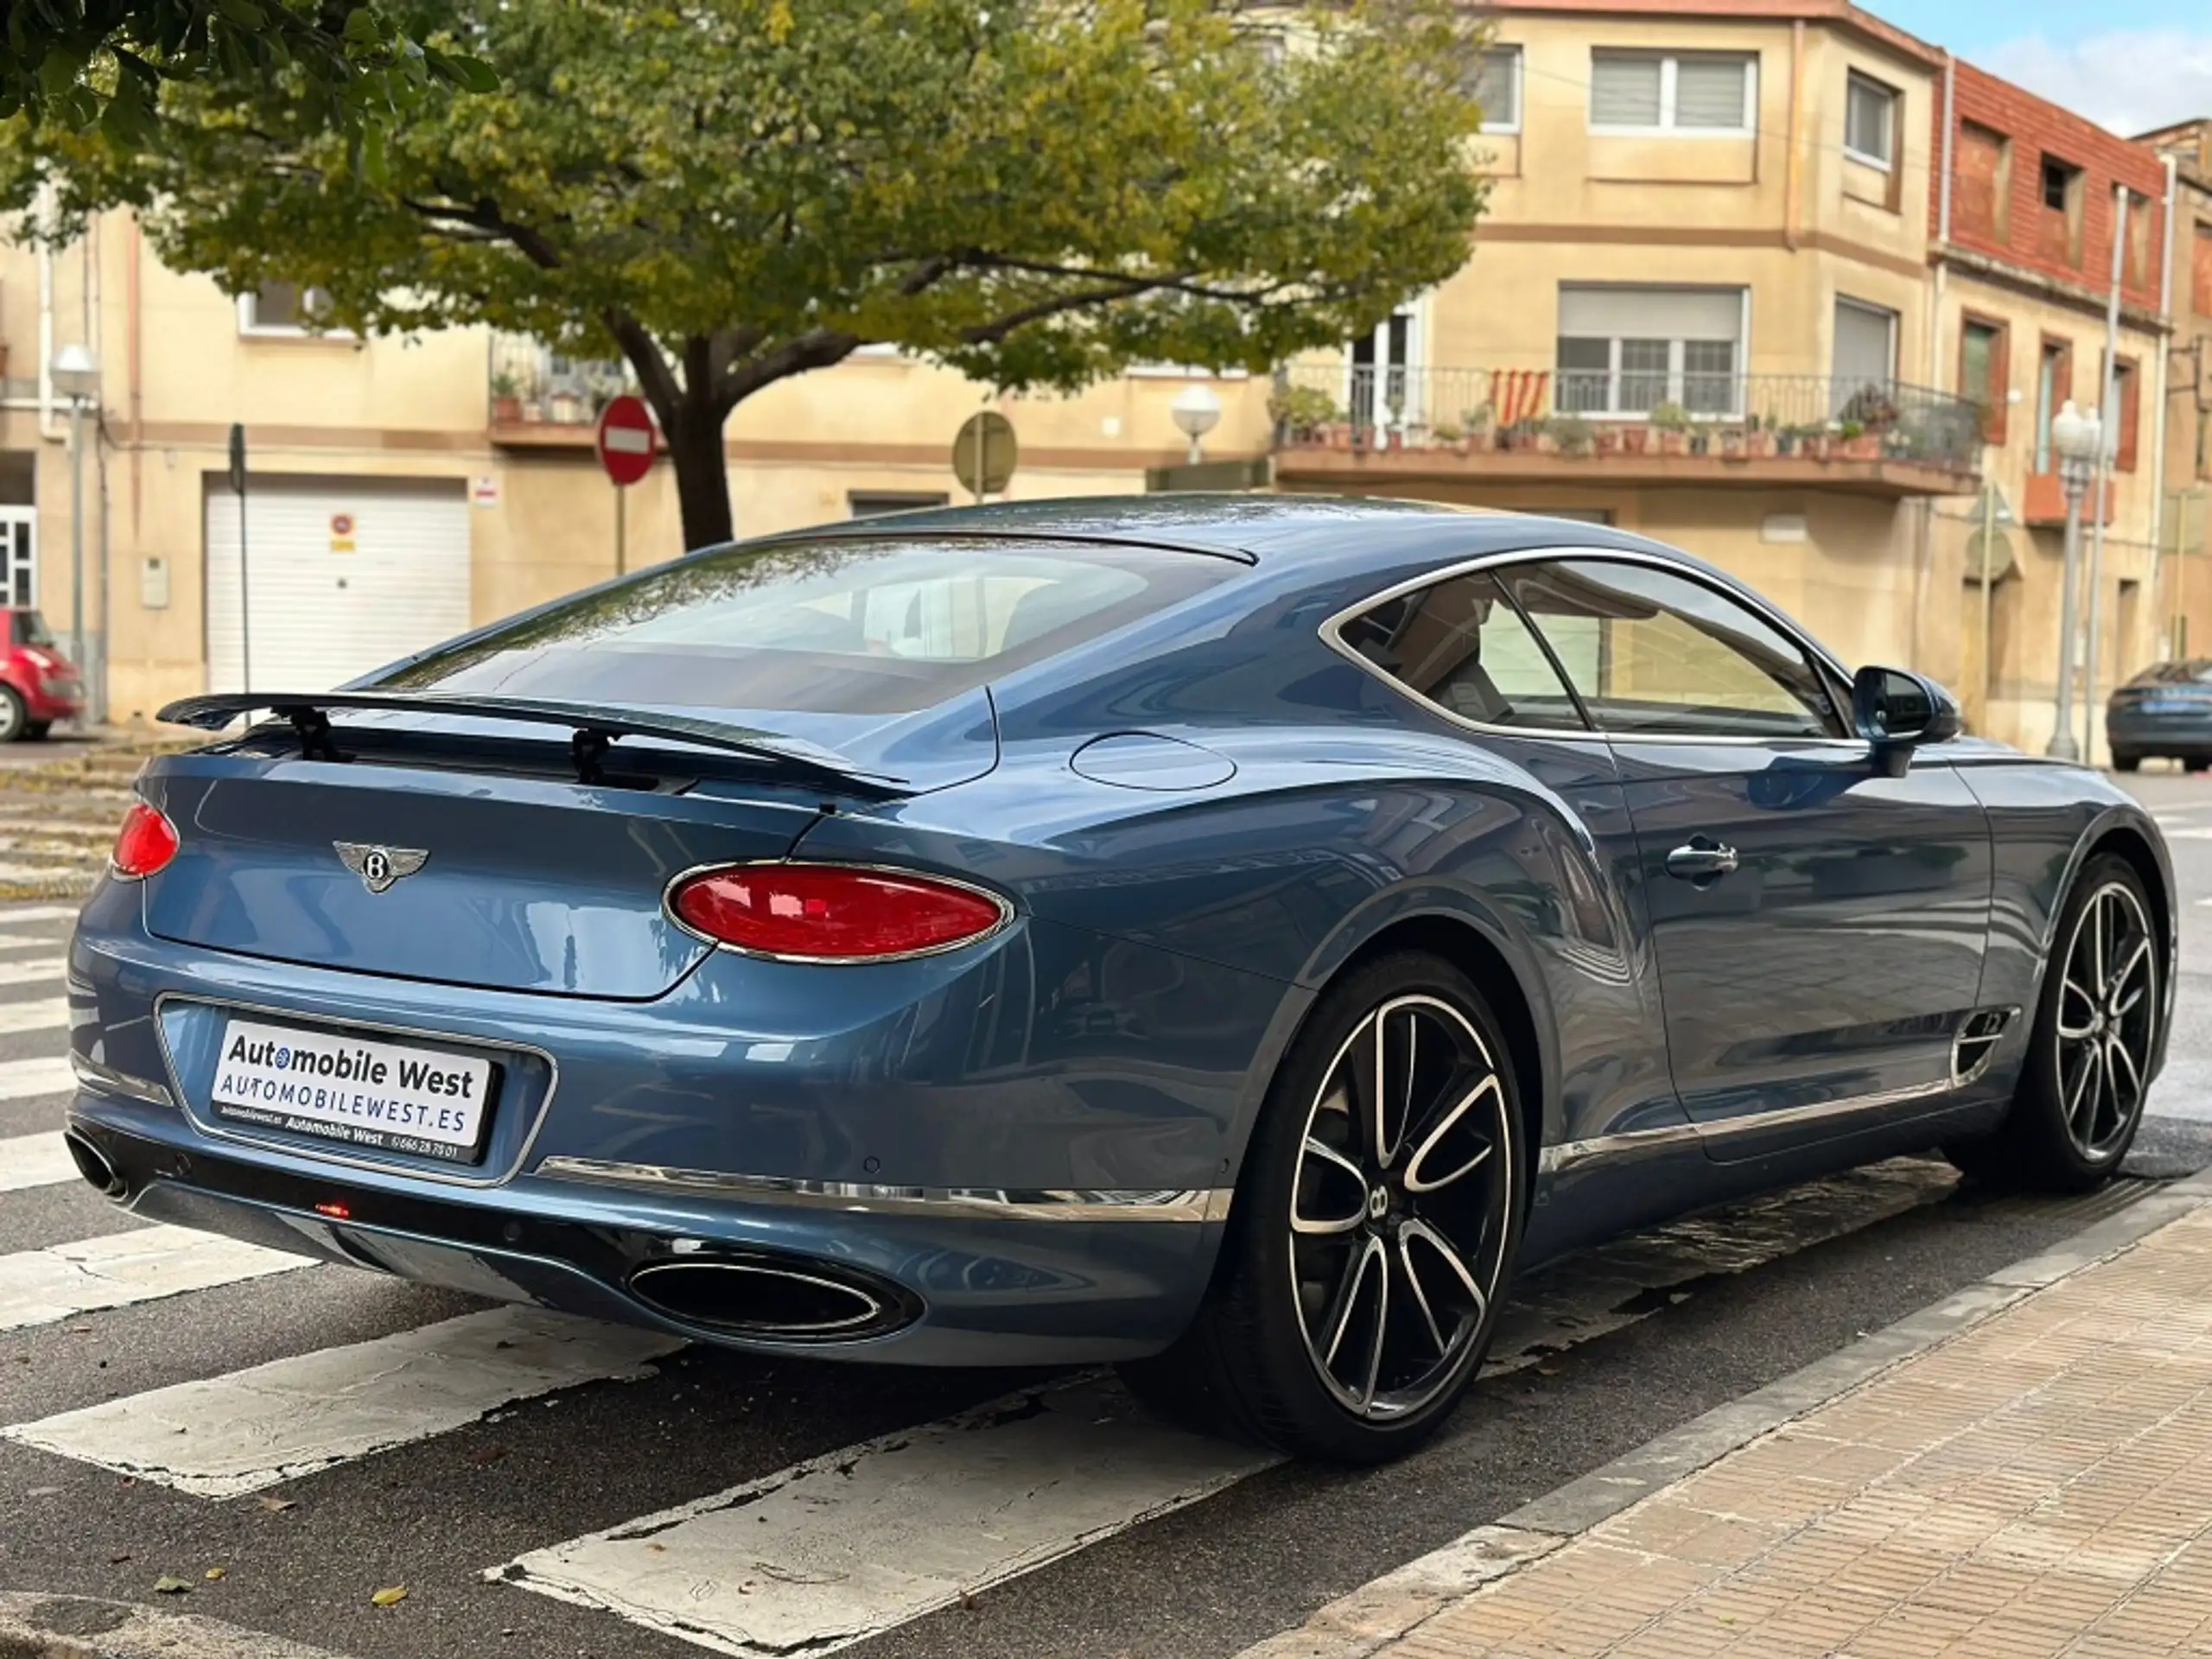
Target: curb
x=83, y=1627
x=1384, y=1608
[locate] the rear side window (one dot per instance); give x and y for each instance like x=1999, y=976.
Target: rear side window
x=1657, y=654
x=839, y=625
x=1460, y=645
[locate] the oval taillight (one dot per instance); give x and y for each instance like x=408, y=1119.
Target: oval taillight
x=146, y=843
x=830, y=912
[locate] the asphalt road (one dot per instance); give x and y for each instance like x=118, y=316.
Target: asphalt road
x=347, y=1462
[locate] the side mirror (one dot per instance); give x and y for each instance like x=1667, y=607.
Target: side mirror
x=1896, y=710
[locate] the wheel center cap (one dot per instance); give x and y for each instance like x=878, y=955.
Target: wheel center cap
x=1378, y=1202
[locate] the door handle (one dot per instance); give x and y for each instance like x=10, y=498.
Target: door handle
x=1702, y=861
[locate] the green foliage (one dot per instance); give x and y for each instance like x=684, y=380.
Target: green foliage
x=731, y=192
x=1573, y=434
x=73, y=64
x=1302, y=408
x=1669, y=417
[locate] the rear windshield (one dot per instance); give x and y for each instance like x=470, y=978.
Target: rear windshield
x=30, y=629
x=839, y=625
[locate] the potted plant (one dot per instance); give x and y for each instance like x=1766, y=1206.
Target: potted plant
x=1449, y=437
x=1482, y=430
x=565, y=407
x=1634, y=435
x=1765, y=437
x=1302, y=412
x=506, y=398
x=1672, y=422
x=1571, y=434
x=1733, y=442
x=1859, y=444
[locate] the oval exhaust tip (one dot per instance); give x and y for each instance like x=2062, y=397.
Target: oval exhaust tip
x=764, y=1300
x=92, y=1163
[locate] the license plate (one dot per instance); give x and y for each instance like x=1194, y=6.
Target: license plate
x=386, y=1097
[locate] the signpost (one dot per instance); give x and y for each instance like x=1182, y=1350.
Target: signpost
x=237, y=488
x=983, y=453
x=626, y=442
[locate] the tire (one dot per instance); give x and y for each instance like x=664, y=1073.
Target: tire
x=2196, y=763
x=2126, y=762
x=13, y=723
x=2079, y=1098
x=1351, y=1336
x=35, y=731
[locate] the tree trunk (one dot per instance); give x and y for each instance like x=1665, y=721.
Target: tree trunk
x=695, y=447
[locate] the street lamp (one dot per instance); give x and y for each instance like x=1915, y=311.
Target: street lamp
x=2077, y=438
x=76, y=375
x=1197, y=411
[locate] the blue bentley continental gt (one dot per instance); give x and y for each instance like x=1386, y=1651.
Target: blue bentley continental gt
x=1222, y=937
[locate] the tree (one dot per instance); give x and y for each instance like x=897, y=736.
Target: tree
x=730, y=192
x=71, y=62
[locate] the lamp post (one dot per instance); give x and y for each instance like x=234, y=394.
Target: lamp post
x=2077, y=438
x=1197, y=411
x=76, y=374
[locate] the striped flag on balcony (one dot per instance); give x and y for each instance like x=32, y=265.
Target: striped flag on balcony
x=1518, y=394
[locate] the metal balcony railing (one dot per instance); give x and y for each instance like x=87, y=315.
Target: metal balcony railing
x=1595, y=413
x=529, y=384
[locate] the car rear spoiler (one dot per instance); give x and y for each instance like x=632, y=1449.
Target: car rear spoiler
x=591, y=730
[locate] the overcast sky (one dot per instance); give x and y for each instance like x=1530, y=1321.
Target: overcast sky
x=2131, y=64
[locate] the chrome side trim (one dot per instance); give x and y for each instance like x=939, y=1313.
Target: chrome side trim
x=861, y=1197
x=1569, y=1154
x=105, y=1080
x=1332, y=635
x=301, y=1147
x=1976, y=1041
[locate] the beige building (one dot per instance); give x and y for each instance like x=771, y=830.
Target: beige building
x=1697, y=309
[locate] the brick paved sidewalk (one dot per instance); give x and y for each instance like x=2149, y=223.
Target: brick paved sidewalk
x=2039, y=1484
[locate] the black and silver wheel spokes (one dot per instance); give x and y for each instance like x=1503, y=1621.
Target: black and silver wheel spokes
x=2107, y=1013
x=1401, y=1205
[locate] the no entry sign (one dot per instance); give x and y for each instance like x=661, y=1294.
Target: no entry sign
x=625, y=439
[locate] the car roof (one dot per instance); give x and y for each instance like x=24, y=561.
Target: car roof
x=1252, y=528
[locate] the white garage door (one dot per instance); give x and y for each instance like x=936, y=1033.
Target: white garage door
x=347, y=577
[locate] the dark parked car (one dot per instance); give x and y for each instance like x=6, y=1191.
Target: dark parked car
x=38, y=684
x=1225, y=937
x=2164, y=711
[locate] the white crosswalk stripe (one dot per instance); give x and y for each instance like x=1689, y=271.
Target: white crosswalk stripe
x=38, y=1160
x=49, y=1074
x=839, y=1548
x=237, y=1433
x=25, y=942
x=116, y=1269
x=16, y=915
x=33, y=1015
x=30, y=973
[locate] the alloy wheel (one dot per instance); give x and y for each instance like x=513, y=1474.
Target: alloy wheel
x=1402, y=1208
x=2107, y=1017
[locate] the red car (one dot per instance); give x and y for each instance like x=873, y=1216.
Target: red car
x=38, y=684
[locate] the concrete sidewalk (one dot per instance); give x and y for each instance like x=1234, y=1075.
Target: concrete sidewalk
x=2038, y=1481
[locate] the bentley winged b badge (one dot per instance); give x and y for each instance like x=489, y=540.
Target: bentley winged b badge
x=380, y=867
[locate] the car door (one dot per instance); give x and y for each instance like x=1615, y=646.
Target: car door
x=1818, y=925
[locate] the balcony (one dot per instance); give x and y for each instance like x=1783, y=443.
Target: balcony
x=540, y=400
x=1337, y=427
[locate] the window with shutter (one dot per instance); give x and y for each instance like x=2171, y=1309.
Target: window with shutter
x=2201, y=271
x=1497, y=87
x=1709, y=93
x=1869, y=120
x=1625, y=351
x=1985, y=372
x=1656, y=91
x=1983, y=178
x=1624, y=90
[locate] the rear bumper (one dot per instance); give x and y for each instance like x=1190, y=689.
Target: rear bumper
x=2186, y=736
x=953, y=1291
x=48, y=700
